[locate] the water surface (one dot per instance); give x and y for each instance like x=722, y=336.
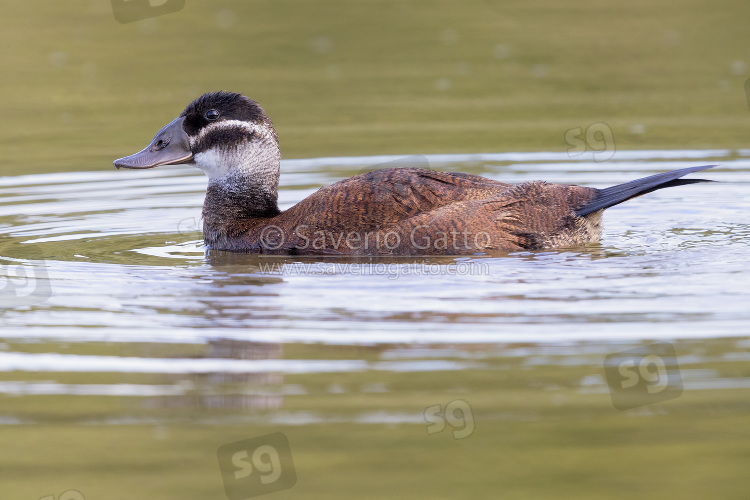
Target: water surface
x=123, y=249
x=114, y=315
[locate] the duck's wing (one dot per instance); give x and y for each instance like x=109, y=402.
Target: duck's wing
x=531, y=215
x=385, y=197
x=423, y=212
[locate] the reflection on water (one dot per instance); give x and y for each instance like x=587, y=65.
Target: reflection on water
x=90, y=256
x=228, y=389
x=128, y=351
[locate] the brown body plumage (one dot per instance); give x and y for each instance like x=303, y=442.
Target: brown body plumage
x=399, y=211
x=410, y=211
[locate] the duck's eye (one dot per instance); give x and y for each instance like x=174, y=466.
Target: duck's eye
x=211, y=114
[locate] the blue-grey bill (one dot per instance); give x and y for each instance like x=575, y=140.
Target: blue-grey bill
x=169, y=146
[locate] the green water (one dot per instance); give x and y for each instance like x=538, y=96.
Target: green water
x=130, y=357
x=372, y=77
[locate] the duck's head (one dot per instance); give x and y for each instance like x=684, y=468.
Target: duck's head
x=225, y=134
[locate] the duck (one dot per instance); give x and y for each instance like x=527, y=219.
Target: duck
x=392, y=211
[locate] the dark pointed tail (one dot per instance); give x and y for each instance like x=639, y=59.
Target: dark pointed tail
x=622, y=192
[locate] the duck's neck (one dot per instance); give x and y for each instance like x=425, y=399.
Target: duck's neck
x=237, y=200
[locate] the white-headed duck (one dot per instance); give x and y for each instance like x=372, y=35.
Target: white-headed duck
x=399, y=211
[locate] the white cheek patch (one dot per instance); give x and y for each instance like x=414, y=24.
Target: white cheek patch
x=214, y=163
x=221, y=163
x=249, y=158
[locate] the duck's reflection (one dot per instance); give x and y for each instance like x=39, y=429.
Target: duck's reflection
x=228, y=390
x=241, y=390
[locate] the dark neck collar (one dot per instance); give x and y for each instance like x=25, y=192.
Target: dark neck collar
x=230, y=208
